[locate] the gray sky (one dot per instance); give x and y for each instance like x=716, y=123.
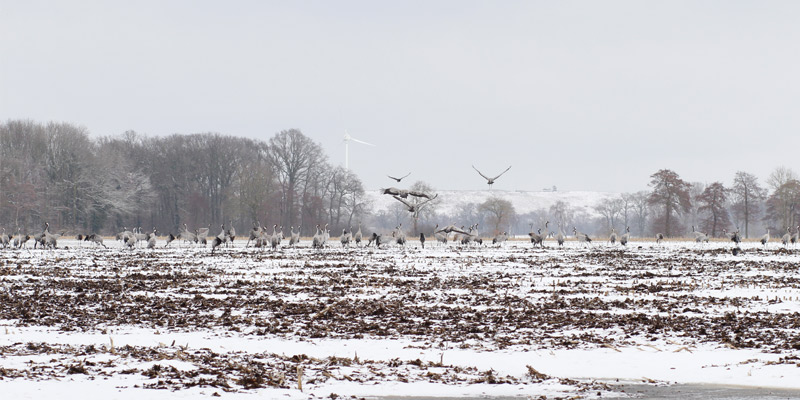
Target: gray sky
x=582, y=95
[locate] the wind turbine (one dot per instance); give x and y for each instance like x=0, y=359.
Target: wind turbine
x=347, y=140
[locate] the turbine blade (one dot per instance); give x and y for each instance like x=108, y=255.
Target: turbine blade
x=362, y=142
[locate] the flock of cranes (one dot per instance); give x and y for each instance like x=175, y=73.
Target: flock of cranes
x=260, y=237
x=45, y=239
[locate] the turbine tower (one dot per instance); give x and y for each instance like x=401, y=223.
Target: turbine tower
x=347, y=140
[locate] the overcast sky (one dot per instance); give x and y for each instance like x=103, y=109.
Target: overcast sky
x=583, y=95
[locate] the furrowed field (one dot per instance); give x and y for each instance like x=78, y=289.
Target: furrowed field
x=365, y=322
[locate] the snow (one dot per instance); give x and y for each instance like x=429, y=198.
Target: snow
x=683, y=275
x=523, y=201
x=661, y=361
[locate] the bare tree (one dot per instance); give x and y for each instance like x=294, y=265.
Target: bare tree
x=692, y=217
x=627, y=202
x=672, y=194
x=293, y=156
x=747, y=197
x=500, y=212
x=563, y=214
x=345, y=198
x=783, y=205
x=467, y=213
x=713, y=203
x=641, y=209
x=780, y=176
x=610, y=209
x=428, y=211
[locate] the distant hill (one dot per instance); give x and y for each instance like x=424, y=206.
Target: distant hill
x=524, y=202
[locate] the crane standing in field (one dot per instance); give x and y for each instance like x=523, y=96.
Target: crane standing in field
x=277, y=237
x=735, y=237
x=94, y=238
x=345, y=237
x=200, y=237
x=357, y=237
x=439, y=236
x=186, y=235
x=787, y=237
x=623, y=240
x=201, y=234
x=20, y=240
x=38, y=239
x=219, y=240
x=699, y=237
x=581, y=237
x=500, y=238
x=538, y=237
x=295, y=236
x=560, y=236
x=151, y=241
x=319, y=239
x=231, y=233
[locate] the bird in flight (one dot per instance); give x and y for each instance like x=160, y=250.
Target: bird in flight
x=404, y=193
x=490, y=181
x=400, y=178
x=415, y=208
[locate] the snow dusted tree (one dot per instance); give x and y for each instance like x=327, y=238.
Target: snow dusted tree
x=256, y=188
x=563, y=215
x=500, y=213
x=627, y=202
x=467, y=213
x=780, y=176
x=641, y=210
x=784, y=204
x=427, y=211
x=610, y=209
x=693, y=216
x=537, y=218
x=294, y=157
x=747, y=197
x=671, y=193
x=712, y=208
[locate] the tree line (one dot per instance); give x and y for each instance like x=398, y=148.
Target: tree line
x=671, y=206
x=55, y=172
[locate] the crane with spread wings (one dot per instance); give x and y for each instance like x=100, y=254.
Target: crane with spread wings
x=490, y=181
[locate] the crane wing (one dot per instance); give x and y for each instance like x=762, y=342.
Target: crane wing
x=419, y=194
x=481, y=173
x=460, y=231
x=392, y=191
x=501, y=174
x=427, y=201
x=403, y=201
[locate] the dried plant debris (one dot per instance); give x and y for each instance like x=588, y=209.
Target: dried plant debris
x=234, y=372
x=469, y=298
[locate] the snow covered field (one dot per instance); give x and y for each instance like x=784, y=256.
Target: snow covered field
x=440, y=321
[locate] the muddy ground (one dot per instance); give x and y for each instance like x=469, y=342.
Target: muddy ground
x=480, y=298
